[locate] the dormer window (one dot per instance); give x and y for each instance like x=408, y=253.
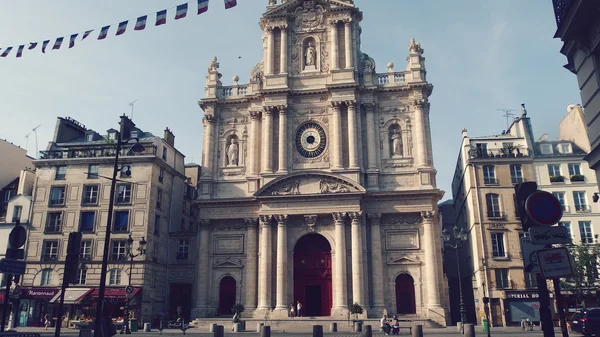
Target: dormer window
x=89, y=137
x=112, y=134
x=546, y=148
x=565, y=148
x=134, y=134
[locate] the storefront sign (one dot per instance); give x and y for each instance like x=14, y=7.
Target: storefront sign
x=521, y=295
x=38, y=293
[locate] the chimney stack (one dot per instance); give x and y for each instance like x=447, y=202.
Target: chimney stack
x=169, y=137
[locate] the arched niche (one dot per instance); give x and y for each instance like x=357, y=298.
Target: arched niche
x=311, y=45
x=228, y=136
x=404, y=128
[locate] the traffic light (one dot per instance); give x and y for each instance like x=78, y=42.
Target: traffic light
x=522, y=192
x=72, y=260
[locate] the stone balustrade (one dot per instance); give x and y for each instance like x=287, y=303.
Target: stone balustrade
x=233, y=91
x=391, y=78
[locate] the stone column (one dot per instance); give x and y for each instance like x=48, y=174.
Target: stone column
x=373, y=147
x=251, y=264
x=420, y=134
x=336, y=133
x=267, y=146
x=340, y=286
x=270, y=51
x=335, y=59
x=359, y=137
x=352, y=135
x=253, y=149
x=377, y=264
x=281, y=306
x=265, y=268
x=209, y=139
x=348, y=36
x=284, y=50
x=358, y=285
x=283, y=140
x=433, y=291
x=202, y=269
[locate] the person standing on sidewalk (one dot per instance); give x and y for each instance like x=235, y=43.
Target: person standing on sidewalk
x=299, y=309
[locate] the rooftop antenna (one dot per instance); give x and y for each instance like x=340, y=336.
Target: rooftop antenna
x=36, y=140
x=131, y=105
x=508, y=114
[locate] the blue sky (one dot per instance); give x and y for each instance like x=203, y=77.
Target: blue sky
x=482, y=55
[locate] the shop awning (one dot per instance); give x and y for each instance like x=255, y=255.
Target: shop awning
x=72, y=295
x=115, y=292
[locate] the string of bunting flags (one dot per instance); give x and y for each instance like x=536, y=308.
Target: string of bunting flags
x=140, y=24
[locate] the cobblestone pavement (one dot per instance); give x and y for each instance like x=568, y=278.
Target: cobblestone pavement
x=446, y=332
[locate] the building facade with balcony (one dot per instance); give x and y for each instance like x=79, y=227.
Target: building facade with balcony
x=72, y=193
x=578, y=24
x=318, y=183
x=484, y=202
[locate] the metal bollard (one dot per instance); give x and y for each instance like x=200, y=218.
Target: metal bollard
x=317, y=331
x=259, y=327
x=212, y=327
x=367, y=331
x=219, y=331
x=459, y=326
x=147, y=327
x=333, y=327
x=358, y=326
x=265, y=332
x=417, y=331
x=237, y=327
x=469, y=330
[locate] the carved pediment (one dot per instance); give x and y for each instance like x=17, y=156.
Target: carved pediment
x=228, y=263
x=310, y=183
x=293, y=6
x=403, y=260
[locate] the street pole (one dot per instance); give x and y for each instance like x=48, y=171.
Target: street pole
x=461, y=305
x=545, y=312
x=560, y=308
x=5, y=306
x=104, y=269
x=126, y=316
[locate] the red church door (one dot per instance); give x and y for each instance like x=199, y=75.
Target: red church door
x=312, y=275
x=227, y=291
x=405, y=295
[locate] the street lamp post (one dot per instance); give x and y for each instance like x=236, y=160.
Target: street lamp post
x=459, y=236
x=136, y=148
x=141, y=251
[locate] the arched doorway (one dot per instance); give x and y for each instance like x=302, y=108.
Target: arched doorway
x=312, y=275
x=227, y=291
x=405, y=295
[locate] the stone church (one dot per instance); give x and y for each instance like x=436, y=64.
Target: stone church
x=317, y=182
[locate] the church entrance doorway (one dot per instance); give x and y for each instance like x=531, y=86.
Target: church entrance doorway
x=405, y=295
x=227, y=293
x=312, y=275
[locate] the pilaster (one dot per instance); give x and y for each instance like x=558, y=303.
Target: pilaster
x=335, y=59
x=281, y=308
x=358, y=280
x=372, y=149
x=202, y=308
x=352, y=135
x=433, y=290
x=251, y=264
x=267, y=146
x=340, y=285
x=283, y=140
x=348, y=43
x=336, y=120
x=376, y=265
x=265, y=268
x=421, y=132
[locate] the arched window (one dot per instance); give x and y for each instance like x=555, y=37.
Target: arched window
x=114, y=277
x=493, y=205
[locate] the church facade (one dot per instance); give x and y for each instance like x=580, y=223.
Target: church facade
x=317, y=183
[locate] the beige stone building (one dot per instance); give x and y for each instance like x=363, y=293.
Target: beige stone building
x=72, y=192
x=484, y=202
x=318, y=182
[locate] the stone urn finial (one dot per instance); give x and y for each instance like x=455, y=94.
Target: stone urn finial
x=390, y=66
x=236, y=79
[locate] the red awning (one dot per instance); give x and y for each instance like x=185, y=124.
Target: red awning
x=115, y=292
x=2, y=298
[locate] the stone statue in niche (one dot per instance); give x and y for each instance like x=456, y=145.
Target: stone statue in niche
x=233, y=153
x=310, y=55
x=395, y=142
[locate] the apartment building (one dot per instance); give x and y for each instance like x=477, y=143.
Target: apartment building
x=484, y=201
x=72, y=193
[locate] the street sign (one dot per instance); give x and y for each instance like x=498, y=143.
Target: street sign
x=549, y=235
x=17, y=237
x=530, y=260
x=14, y=267
x=554, y=263
x=15, y=253
x=543, y=208
x=129, y=289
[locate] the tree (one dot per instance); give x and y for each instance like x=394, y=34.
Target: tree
x=356, y=310
x=584, y=281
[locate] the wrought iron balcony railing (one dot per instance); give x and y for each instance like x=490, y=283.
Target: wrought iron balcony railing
x=93, y=151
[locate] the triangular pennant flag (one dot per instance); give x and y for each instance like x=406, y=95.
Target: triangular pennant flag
x=122, y=27
x=230, y=3
x=44, y=45
x=72, y=40
x=181, y=11
x=103, y=33
x=5, y=52
x=161, y=18
x=20, y=50
x=202, y=6
x=57, y=43
x=86, y=34
x=32, y=45
x=140, y=24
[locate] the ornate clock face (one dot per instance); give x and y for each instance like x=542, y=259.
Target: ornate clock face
x=311, y=140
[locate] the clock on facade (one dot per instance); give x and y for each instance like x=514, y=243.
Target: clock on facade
x=311, y=140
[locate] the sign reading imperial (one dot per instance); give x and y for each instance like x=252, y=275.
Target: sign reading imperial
x=521, y=295
x=317, y=153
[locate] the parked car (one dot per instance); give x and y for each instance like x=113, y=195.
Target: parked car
x=586, y=322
